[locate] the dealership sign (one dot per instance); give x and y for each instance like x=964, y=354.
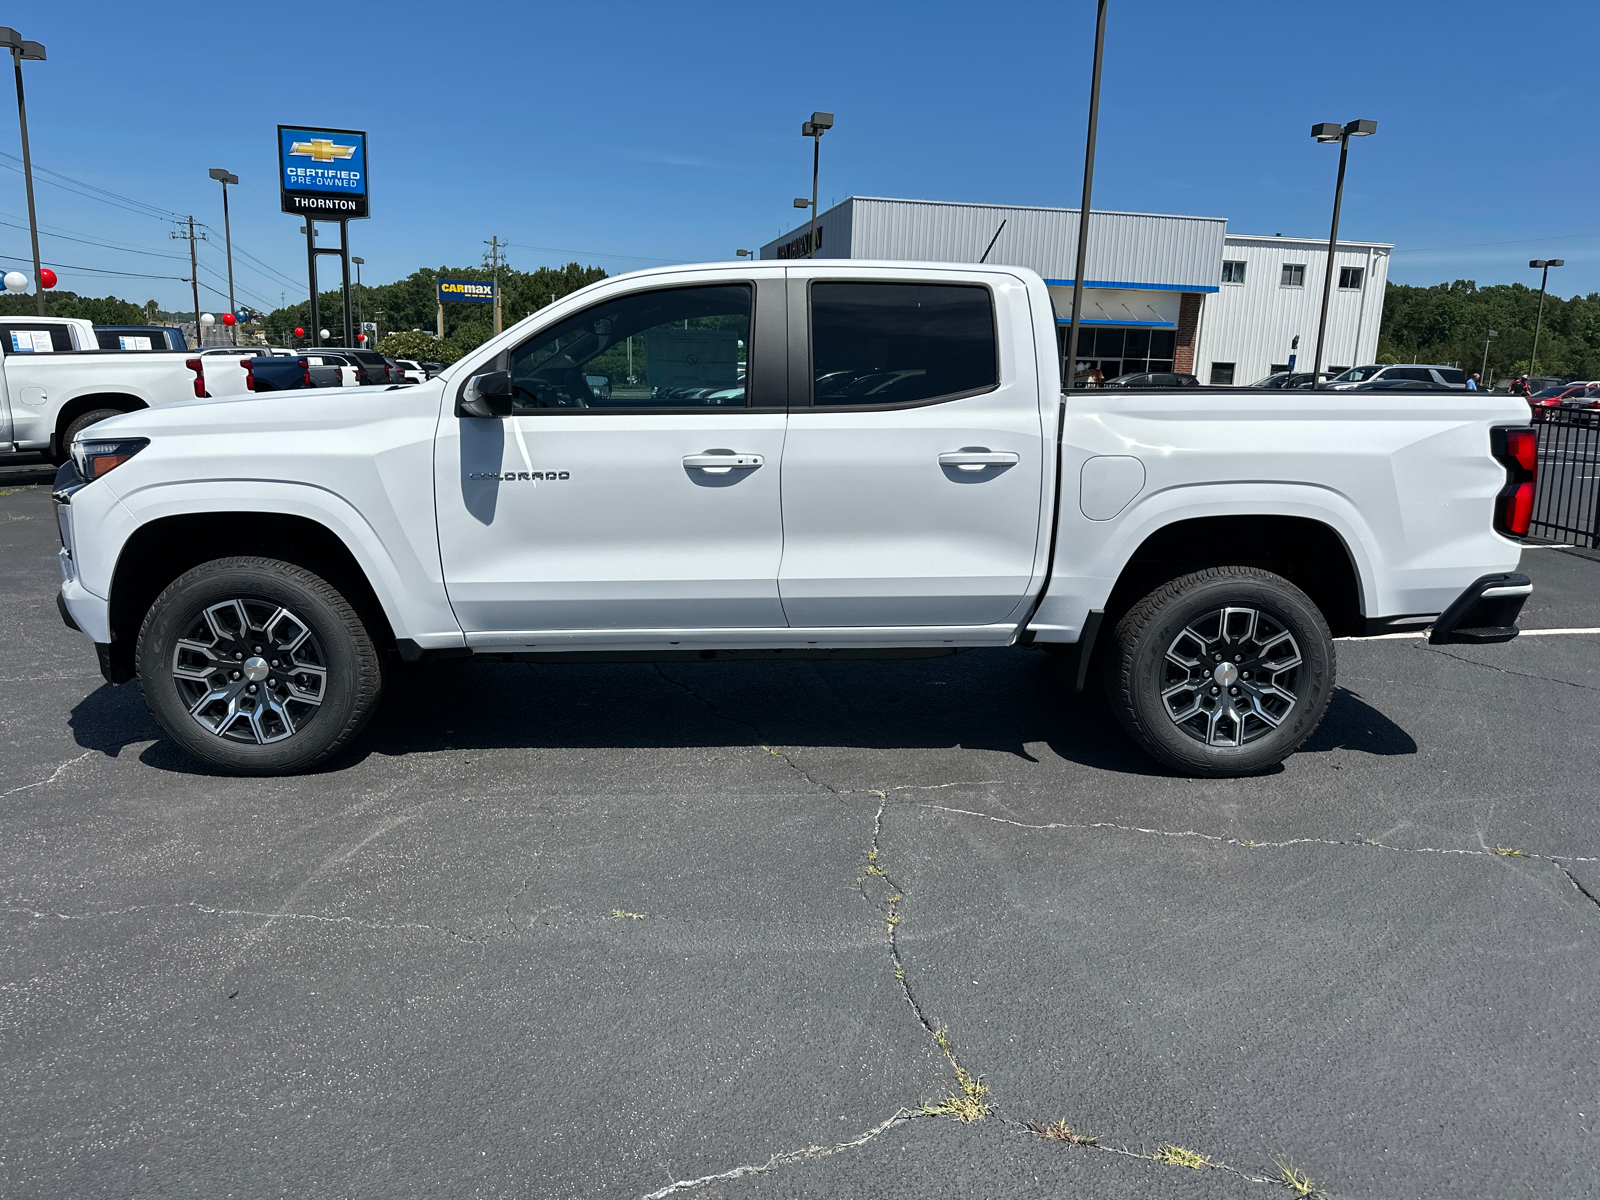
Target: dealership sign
x=322, y=173
x=465, y=291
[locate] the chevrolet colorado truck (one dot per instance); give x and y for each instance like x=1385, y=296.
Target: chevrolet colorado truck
x=827, y=459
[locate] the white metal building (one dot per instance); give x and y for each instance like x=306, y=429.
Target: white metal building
x=1161, y=292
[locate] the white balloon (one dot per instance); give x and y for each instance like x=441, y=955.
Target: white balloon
x=324, y=333
x=16, y=281
x=207, y=319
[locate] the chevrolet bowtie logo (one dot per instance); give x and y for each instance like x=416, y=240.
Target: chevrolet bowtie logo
x=321, y=150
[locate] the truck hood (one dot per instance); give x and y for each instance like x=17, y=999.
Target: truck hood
x=298, y=411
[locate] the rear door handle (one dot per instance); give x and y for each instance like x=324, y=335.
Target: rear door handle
x=721, y=464
x=978, y=460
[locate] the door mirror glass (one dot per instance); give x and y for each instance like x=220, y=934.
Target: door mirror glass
x=486, y=395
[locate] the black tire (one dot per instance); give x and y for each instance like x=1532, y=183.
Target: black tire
x=1203, y=687
x=226, y=623
x=82, y=421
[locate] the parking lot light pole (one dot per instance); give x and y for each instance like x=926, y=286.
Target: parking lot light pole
x=1544, y=264
x=1071, y=380
x=819, y=124
x=744, y=254
x=1484, y=372
x=224, y=178
x=359, y=262
x=1327, y=131
x=33, y=52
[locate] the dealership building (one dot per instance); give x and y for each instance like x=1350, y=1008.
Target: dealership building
x=1161, y=293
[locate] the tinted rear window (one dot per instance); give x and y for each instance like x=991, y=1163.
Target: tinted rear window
x=888, y=343
x=20, y=337
x=1452, y=376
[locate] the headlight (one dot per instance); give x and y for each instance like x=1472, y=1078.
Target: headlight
x=95, y=457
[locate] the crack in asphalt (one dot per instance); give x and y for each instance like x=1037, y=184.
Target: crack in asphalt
x=52, y=778
x=1592, y=898
x=783, y=1159
x=527, y=881
x=717, y=712
x=255, y=914
x=1507, y=671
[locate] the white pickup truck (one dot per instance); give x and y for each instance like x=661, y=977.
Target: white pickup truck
x=55, y=381
x=806, y=460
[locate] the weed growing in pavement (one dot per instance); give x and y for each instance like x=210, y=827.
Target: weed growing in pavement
x=1294, y=1179
x=1506, y=852
x=969, y=1106
x=617, y=914
x=1060, y=1131
x=1177, y=1156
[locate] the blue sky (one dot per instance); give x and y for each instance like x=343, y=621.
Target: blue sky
x=625, y=134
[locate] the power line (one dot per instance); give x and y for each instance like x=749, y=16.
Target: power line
x=91, y=242
x=93, y=270
x=104, y=194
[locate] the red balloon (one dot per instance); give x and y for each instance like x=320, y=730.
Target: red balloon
x=361, y=337
x=229, y=319
x=47, y=277
x=298, y=332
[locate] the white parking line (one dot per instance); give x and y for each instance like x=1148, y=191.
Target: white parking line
x=1389, y=637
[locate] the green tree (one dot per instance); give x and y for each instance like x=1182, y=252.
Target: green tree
x=107, y=311
x=1450, y=322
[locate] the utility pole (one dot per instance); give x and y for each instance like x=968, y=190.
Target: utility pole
x=194, y=277
x=494, y=245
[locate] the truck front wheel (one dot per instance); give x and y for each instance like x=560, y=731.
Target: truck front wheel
x=257, y=667
x=1222, y=672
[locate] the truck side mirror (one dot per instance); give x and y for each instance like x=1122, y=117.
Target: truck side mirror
x=486, y=395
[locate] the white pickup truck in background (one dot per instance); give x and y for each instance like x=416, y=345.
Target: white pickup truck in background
x=816, y=459
x=55, y=381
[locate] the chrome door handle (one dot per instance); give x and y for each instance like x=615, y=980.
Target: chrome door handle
x=978, y=460
x=721, y=464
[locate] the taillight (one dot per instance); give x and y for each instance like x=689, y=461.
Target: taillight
x=249, y=374
x=305, y=372
x=198, y=366
x=1518, y=449
x=361, y=375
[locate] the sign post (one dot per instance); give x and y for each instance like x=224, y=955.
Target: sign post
x=322, y=176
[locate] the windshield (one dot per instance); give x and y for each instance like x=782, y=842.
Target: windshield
x=1550, y=392
x=1356, y=374
x=1272, y=381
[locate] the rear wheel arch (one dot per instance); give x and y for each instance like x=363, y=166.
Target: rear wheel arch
x=1310, y=554
x=161, y=550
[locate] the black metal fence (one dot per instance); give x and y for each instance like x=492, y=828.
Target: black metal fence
x=1566, y=492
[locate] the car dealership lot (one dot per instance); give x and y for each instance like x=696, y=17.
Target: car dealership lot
x=596, y=930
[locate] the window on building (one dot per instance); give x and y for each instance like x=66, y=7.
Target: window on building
x=893, y=343
x=1277, y=368
x=1233, y=272
x=1350, y=277
x=1294, y=275
x=1222, y=374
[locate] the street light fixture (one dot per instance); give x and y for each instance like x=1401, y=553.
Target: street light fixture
x=33, y=52
x=819, y=124
x=1484, y=372
x=1327, y=132
x=225, y=178
x=750, y=254
x=1544, y=264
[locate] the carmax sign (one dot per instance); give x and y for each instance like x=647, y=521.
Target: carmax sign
x=465, y=291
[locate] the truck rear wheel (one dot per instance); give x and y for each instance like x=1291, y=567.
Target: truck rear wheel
x=1222, y=672
x=82, y=421
x=257, y=667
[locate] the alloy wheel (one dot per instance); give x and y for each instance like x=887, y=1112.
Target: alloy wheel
x=250, y=671
x=1230, y=676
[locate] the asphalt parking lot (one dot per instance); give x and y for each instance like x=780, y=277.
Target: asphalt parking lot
x=728, y=930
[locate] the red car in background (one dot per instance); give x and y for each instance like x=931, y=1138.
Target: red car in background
x=1567, y=395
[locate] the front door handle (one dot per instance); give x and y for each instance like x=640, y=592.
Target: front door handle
x=721, y=462
x=978, y=460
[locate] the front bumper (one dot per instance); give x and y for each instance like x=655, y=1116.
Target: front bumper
x=1486, y=612
x=80, y=608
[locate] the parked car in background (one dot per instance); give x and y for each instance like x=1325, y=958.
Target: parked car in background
x=370, y=366
x=140, y=337
x=414, y=371
x=1152, y=379
x=432, y=368
x=1289, y=379
x=1450, y=377
x=1401, y=385
x=1565, y=394
x=288, y=373
x=58, y=381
